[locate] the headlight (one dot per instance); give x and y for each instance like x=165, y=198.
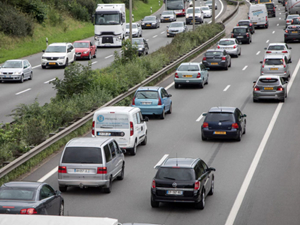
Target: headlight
x=140, y=49
x=17, y=73
x=61, y=57
x=143, y=23
x=43, y=57
x=154, y=23
x=85, y=52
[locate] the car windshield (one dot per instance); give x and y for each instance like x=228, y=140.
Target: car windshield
x=82, y=155
x=292, y=16
x=12, y=64
x=270, y=6
x=56, y=49
x=176, y=25
x=183, y=174
x=150, y=18
x=205, y=8
x=167, y=13
x=219, y=117
x=213, y=53
x=146, y=95
x=227, y=42
x=276, y=47
x=133, y=26
x=264, y=81
x=273, y=62
x=137, y=41
x=188, y=68
x=208, y=2
x=107, y=19
x=190, y=11
x=239, y=30
x=81, y=45
x=17, y=193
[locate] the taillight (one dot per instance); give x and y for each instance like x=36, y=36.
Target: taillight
x=250, y=24
x=274, y=8
x=223, y=58
x=284, y=51
x=101, y=170
x=176, y=75
x=183, y=10
x=248, y=17
x=204, y=58
x=159, y=101
x=283, y=63
x=286, y=31
x=235, y=126
x=263, y=65
x=218, y=46
x=62, y=169
x=131, y=129
x=93, y=128
x=234, y=46
x=288, y=21
x=268, y=52
x=133, y=101
x=247, y=34
x=197, y=185
x=205, y=125
x=292, y=21
x=29, y=211
x=279, y=89
x=232, y=35
x=256, y=89
x=153, y=184
x=266, y=18
x=198, y=75
x=237, y=25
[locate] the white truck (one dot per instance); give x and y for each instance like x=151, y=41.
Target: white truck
x=293, y=7
x=110, y=25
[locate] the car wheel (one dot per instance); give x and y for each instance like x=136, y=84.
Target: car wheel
x=145, y=140
x=244, y=132
x=237, y=55
x=230, y=64
x=170, y=110
x=67, y=63
x=108, y=188
x=62, y=209
x=203, y=138
x=43, y=67
x=249, y=41
x=121, y=177
x=176, y=86
x=95, y=55
x=74, y=59
x=255, y=100
x=290, y=61
x=163, y=114
x=63, y=188
x=226, y=67
x=240, y=52
x=285, y=41
x=22, y=79
x=133, y=150
x=206, y=80
x=90, y=56
x=154, y=204
x=201, y=204
x=201, y=85
x=211, y=191
x=282, y=100
x=239, y=138
x=30, y=77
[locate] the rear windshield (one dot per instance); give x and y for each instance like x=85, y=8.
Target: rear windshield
x=245, y=23
x=112, y=120
x=214, y=53
x=273, y=62
x=276, y=47
x=147, y=95
x=270, y=6
x=188, y=68
x=264, y=0
x=292, y=16
x=293, y=28
x=239, y=30
x=219, y=117
x=82, y=155
x=227, y=42
x=175, y=174
x=263, y=81
x=17, y=193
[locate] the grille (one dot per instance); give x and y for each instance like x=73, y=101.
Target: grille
x=107, y=40
x=52, y=58
x=7, y=73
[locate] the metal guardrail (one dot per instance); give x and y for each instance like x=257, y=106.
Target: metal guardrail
x=36, y=150
x=234, y=11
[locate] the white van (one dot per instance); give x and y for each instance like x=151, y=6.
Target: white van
x=258, y=14
x=125, y=124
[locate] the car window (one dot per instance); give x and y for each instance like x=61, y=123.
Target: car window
x=213, y=53
x=150, y=18
x=82, y=155
x=46, y=192
x=270, y=6
x=17, y=193
x=141, y=117
x=188, y=68
x=146, y=95
x=12, y=64
x=219, y=117
x=273, y=62
x=175, y=174
x=107, y=153
x=197, y=10
x=203, y=164
x=134, y=118
x=176, y=25
x=137, y=41
x=244, y=23
x=202, y=67
x=138, y=118
x=276, y=47
x=81, y=45
x=116, y=146
x=198, y=171
x=56, y=49
x=264, y=81
x=112, y=149
x=227, y=42
x=239, y=30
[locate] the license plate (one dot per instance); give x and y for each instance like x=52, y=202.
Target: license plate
x=294, y=32
x=214, y=63
x=82, y=171
x=255, y=23
x=104, y=134
x=166, y=18
x=148, y=25
x=268, y=88
x=239, y=36
x=273, y=68
x=146, y=103
x=220, y=132
x=174, y=192
x=52, y=63
x=187, y=75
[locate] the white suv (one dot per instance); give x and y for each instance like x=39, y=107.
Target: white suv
x=58, y=54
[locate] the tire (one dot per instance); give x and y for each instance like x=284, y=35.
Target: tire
x=133, y=150
x=22, y=79
x=211, y=191
x=63, y=188
x=226, y=67
x=30, y=78
x=290, y=61
x=255, y=100
x=43, y=67
x=107, y=189
x=67, y=63
x=121, y=177
x=201, y=205
x=74, y=59
x=207, y=80
x=90, y=56
x=239, y=138
x=203, y=138
x=230, y=64
x=244, y=132
x=144, y=142
x=240, y=52
x=237, y=55
x=154, y=204
x=163, y=114
x=285, y=41
x=95, y=55
x=170, y=110
x=201, y=85
x=62, y=209
x=176, y=86
x=282, y=100
x=249, y=41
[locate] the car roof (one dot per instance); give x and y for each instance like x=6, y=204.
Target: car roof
x=227, y=39
x=244, y=20
x=59, y=44
x=215, y=50
x=240, y=27
x=180, y=162
x=277, y=44
x=150, y=88
x=23, y=184
x=274, y=56
x=117, y=109
x=190, y=63
x=87, y=141
x=83, y=41
x=222, y=109
x=178, y=22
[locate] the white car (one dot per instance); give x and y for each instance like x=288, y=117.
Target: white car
x=198, y=15
x=58, y=55
x=209, y=4
x=206, y=11
x=279, y=49
x=136, y=30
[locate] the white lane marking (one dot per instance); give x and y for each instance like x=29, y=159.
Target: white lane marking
x=240, y=197
x=23, y=91
x=245, y=67
x=36, y=66
x=222, y=7
x=225, y=89
x=154, y=36
x=273, y=32
x=170, y=85
x=94, y=62
x=108, y=56
x=44, y=178
x=279, y=18
x=267, y=41
x=147, y=39
x=163, y=32
x=48, y=81
x=277, y=24
x=200, y=117
x=258, y=53
x=161, y=160
x=280, y=13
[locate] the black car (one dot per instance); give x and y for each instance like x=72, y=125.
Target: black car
x=223, y=123
x=30, y=198
x=242, y=33
x=183, y=180
x=247, y=23
x=142, y=45
x=271, y=9
x=216, y=58
x=292, y=33
x=150, y=22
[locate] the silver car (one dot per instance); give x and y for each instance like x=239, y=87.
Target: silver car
x=16, y=70
x=136, y=30
x=288, y=20
x=207, y=13
x=91, y=162
x=209, y=4
x=270, y=87
x=279, y=49
x=231, y=45
x=275, y=65
x=176, y=28
x=168, y=16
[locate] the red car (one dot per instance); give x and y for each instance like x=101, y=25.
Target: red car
x=85, y=49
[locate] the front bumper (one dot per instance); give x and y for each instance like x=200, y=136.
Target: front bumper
x=56, y=63
x=149, y=26
x=10, y=77
x=81, y=55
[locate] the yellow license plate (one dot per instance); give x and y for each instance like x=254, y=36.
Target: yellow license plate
x=255, y=23
x=187, y=75
x=220, y=132
x=294, y=32
x=166, y=18
x=273, y=68
x=148, y=25
x=268, y=88
x=214, y=63
x=52, y=63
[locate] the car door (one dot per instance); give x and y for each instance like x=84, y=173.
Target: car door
x=227, y=57
x=29, y=68
x=108, y=161
x=207, y=176
x=288, y=50
x=50, y=200
x=139, y=29
x=25, y=69
x=115, y=164
x=204, y=72
x=119, y=156
x=165, y=99
x=240, y=119
x=140, y=127
x=284, y=84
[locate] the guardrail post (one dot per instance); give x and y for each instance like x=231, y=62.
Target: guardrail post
x=151, y=9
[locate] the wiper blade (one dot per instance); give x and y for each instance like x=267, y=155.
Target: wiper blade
x=170, y=178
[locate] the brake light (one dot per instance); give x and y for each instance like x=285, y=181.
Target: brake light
x=235, y=126
x=232, y=35
x=153, y=184
x=204, y=58
x=62, y=169
x=218, y=46
x=263, y=65
x=176, y=75
x=197, y=185
x=274, y=8
x=248, y=17
x=205, y=125
x=288, y=21
x=29, y=211
x=131, y=129
x=247, y=34
x=101, y=170
x=292, y=22
x=256, y=89
x=283, y=63
x=286, y=31
x=268, y=52
x=266, y=18
x=133, y=101
x=93, y=128
x=250, y=24
x=279, y=89
x=268, y=78
x=198, y=75
x=284, y=51
x=183, y=10
x=237, y=25
x=159, y=101
x=234, y=46
x=223, y=58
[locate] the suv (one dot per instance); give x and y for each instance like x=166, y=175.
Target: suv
x=275, y=65
x=198, y=15
x=182, y=180
x=242, y=33
x=90, y=162
x=58, y=54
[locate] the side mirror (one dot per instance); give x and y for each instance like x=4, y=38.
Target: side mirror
x=169, y=95
x=211, y=169
x=123, y=150
x=254, y=82
x=286, y=81
x=265, y=48
x=260, y=61
x=24, y=67
x=57, y=192
x=43, y=50
x=244, y=115
x=146, y=119
x=204, y=114
x=289, y=47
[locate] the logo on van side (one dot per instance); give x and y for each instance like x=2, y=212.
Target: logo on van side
x=100, y=118
x=256, y=13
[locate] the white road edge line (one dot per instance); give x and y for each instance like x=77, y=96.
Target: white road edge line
x=258, y=53
x=154, y=36
x=48, y=81
x=245, y=67
x=240, y=197
x=94, y=62
x=273, y=32
x=161, y=160
x=108, y=56
x=35, y=66
x=267, y=41
x=162, y=32
x=23, y=91
x=225, y=89
x=199, y=118
x=222, y=7
x=170, y=85
x=48, y=175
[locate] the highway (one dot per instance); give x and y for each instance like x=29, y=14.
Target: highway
x=256, y=179
x=12, y=94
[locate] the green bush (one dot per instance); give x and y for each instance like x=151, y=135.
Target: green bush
x=36, y=8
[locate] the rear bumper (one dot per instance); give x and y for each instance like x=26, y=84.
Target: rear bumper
x=267, y=95
x=83, y=183
x=194, y=199
x=188, y=81
x=220, y=65
x=230, y=134
x=153, y=110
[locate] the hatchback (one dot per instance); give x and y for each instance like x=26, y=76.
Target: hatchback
x=191, y=73
x=223, y=123
x=207, y=12
x=247, y=23
x=231, y=45
x=271, y=9
x=150, y=22
x=270, y=87
x=168, y=16
x=295, y=21
x=85, y=49
x=292, y=33
x=276, y=65
x=136, y=30
x=142, y=45
x=198, y=15
x=176, y=28
x=216, y=58
x=16, y=70
x=242, y=33
x=289, y=19
x=279, y=49
x=184, y=180
x=153, y=101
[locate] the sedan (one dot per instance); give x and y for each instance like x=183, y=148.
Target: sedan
x=280, y=49
x=231, y=45
x=85, y=49
x=176, y=28
x=168, y=16
x=206, y=11
x=16, y=70
x=191, y=73
x=136, y=30
x=270, y=87
x=289, y=19
x=295, y=21
x=242, y=33
x=247, y=23
x=292, y=33
x=209, y=4
x=22, y=197
x=142, y=46
x=150, y=22
x=275, y=65
x=216, y=58
x=223, y=123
